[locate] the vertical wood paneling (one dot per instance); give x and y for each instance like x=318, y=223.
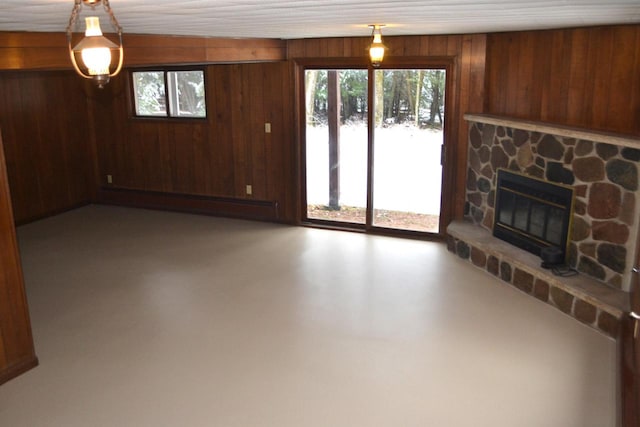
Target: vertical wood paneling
x=412, y=47
x=215, y=157
x=239, y=137
x=620, y=79
x=543, y=75
x=526, y=70
x=557, y=105
x=336, y=45
x=17, y=353
x=203, y=158
x=258, y=116
x=220, y=141
x=601, y=42
x=424, y=44
x=278, y=158
x=288, y=168
x=512, y=79
x=47, y=140
x=437, y=46
x=577, y=75
x=295, y=49
x=583, y=77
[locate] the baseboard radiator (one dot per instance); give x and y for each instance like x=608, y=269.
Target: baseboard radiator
x=262, y=210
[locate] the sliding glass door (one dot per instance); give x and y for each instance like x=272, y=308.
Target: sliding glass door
x=373, y=143
x=408, y=140
x=336, y=145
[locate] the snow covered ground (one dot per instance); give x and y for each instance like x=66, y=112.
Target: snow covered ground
x=407, y=171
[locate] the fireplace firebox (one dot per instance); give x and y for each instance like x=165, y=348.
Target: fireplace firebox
x=532, y=214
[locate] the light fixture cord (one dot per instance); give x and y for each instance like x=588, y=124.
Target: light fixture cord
x=73, y=19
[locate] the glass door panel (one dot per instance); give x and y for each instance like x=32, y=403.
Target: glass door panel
x=408, y=139
x=336, y=145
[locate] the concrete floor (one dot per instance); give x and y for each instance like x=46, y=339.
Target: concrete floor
x=146, y=318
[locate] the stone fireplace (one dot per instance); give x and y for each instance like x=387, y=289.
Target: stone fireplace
x=602, y=170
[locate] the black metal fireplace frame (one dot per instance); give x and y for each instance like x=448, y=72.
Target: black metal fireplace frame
x=525, y=192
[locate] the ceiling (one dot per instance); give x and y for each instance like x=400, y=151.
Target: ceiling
x=293, y=19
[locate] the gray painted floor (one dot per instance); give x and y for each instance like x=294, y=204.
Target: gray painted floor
x=146, y=318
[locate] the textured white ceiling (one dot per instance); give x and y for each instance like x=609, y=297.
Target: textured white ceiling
x=289, y=19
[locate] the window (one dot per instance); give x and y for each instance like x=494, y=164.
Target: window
x=169, y=94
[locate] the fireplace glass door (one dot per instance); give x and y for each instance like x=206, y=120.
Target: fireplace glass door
x=538, y=219
x=532, y=214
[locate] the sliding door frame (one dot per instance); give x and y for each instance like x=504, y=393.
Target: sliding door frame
x=446, y=63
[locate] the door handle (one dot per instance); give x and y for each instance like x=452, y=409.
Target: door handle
x=636, y=317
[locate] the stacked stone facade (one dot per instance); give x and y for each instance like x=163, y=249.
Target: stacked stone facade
x=604, y=177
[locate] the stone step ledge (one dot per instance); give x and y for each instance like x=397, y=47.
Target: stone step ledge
x=585, y=299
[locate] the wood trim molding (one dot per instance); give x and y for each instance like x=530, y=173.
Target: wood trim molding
x=48, y=51
x=165, y=50
x=18, y=368
x=218, y=206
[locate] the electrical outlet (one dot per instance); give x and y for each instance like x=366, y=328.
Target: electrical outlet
x=267, y=128
x=109, y=179
x=249, y=190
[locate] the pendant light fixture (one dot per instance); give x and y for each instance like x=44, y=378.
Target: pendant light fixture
x=92, y=56
x=377, y=48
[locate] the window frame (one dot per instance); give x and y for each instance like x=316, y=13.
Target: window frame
x=165, y=72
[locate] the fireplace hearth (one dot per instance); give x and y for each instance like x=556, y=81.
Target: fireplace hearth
x=532, y=214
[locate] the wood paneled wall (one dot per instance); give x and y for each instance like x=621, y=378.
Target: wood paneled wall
x=581, y=77
x=467, y=85
x=215, y=157
x=220, y=156
x=587, y=77
x=47, y=141
x=16, y=342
